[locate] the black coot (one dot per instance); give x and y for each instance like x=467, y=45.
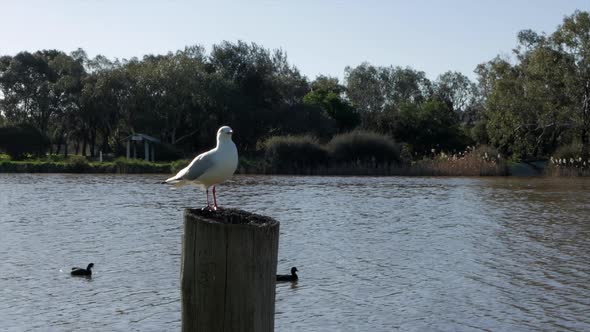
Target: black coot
x=78, y=271
x=287, y=277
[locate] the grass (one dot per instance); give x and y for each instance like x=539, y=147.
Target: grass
x=357, y=153
x=79, y=164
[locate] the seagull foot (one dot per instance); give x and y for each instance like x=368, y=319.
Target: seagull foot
x=211, y=208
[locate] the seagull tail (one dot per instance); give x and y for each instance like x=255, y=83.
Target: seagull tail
x=176, y=182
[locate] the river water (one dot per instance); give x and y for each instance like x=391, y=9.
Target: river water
x=374, y=254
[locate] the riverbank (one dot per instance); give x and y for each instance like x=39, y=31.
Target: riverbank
x=134, y=166
x=426, y=167
x=81, y=165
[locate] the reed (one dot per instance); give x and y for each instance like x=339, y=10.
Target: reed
x=570, y=160
x=482, y=161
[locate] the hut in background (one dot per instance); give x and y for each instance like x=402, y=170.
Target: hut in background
x=149, y=143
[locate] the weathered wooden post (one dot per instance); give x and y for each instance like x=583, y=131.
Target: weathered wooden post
x=229, y=264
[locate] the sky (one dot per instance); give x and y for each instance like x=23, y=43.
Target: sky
x=319, y=37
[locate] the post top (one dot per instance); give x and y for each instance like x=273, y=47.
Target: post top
x=232, y=216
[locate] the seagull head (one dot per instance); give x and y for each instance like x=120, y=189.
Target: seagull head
x=224, y=133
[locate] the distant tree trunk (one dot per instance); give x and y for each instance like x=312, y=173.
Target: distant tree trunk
x=92, y=143
x=105, y=142
x=586, y=114
x=84, y=141
x=59, y=142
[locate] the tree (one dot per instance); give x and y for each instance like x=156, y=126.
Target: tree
x=429, y=125
x=541, y=101
x=327, y=94
x=365, y=88
x=456, y=90
x=572, y=38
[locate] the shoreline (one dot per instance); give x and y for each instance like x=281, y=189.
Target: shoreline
x=419, y=169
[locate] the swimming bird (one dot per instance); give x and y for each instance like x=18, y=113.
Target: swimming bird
x=286, y=277
x=211, y=167
x=79, y=271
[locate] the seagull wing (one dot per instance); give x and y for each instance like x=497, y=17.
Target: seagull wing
x=194, y=170
x=199, y=166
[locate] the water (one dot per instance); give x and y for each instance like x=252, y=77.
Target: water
x=374, y=254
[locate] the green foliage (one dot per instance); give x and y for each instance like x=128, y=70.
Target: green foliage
x=177, y=165
x=525, y=108
x=327, y=94
x=19, y=141
x=364, y=147
x=540, y=102
x=431, y=125
x=487, y=153
x=167, y=152
x=77, y=163
x=293, y=152
x=123, y=165
x=573, y=151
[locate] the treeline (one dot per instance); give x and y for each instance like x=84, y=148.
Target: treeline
x=526, y=108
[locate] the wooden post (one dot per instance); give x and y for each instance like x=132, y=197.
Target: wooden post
x=228, y=272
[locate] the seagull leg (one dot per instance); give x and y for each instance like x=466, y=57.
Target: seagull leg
x=214, y=199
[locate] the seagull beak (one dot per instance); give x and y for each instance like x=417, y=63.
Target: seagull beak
x=231, y=132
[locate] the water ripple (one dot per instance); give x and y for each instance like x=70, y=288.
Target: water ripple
x=374, y=254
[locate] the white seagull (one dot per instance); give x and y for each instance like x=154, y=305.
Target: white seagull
x=211, y=167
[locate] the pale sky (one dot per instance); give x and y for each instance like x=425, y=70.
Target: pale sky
x=320, y=37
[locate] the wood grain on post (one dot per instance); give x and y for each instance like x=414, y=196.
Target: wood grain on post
x=229, y=265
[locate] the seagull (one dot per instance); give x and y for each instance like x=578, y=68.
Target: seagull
x=211, y=167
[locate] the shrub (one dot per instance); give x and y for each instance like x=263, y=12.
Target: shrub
x=123, y=165
x=57, y=158
x=487, y=153
x=177, y=165
x=571, y=151
x=19, y=141
x=77, y=163
x=365, y=147
x=167, y=152
x=289, y=153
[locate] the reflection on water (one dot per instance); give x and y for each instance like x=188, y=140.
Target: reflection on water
x=373, y=254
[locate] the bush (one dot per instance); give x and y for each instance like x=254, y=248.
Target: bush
x=77, y=163
x=571, y=151
x=177, y=165
x=289, y=153
x=123, y=165
x=57, y=158
x=364, y=147
x=487, y=153
x=19, y=141
x=167, y=152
